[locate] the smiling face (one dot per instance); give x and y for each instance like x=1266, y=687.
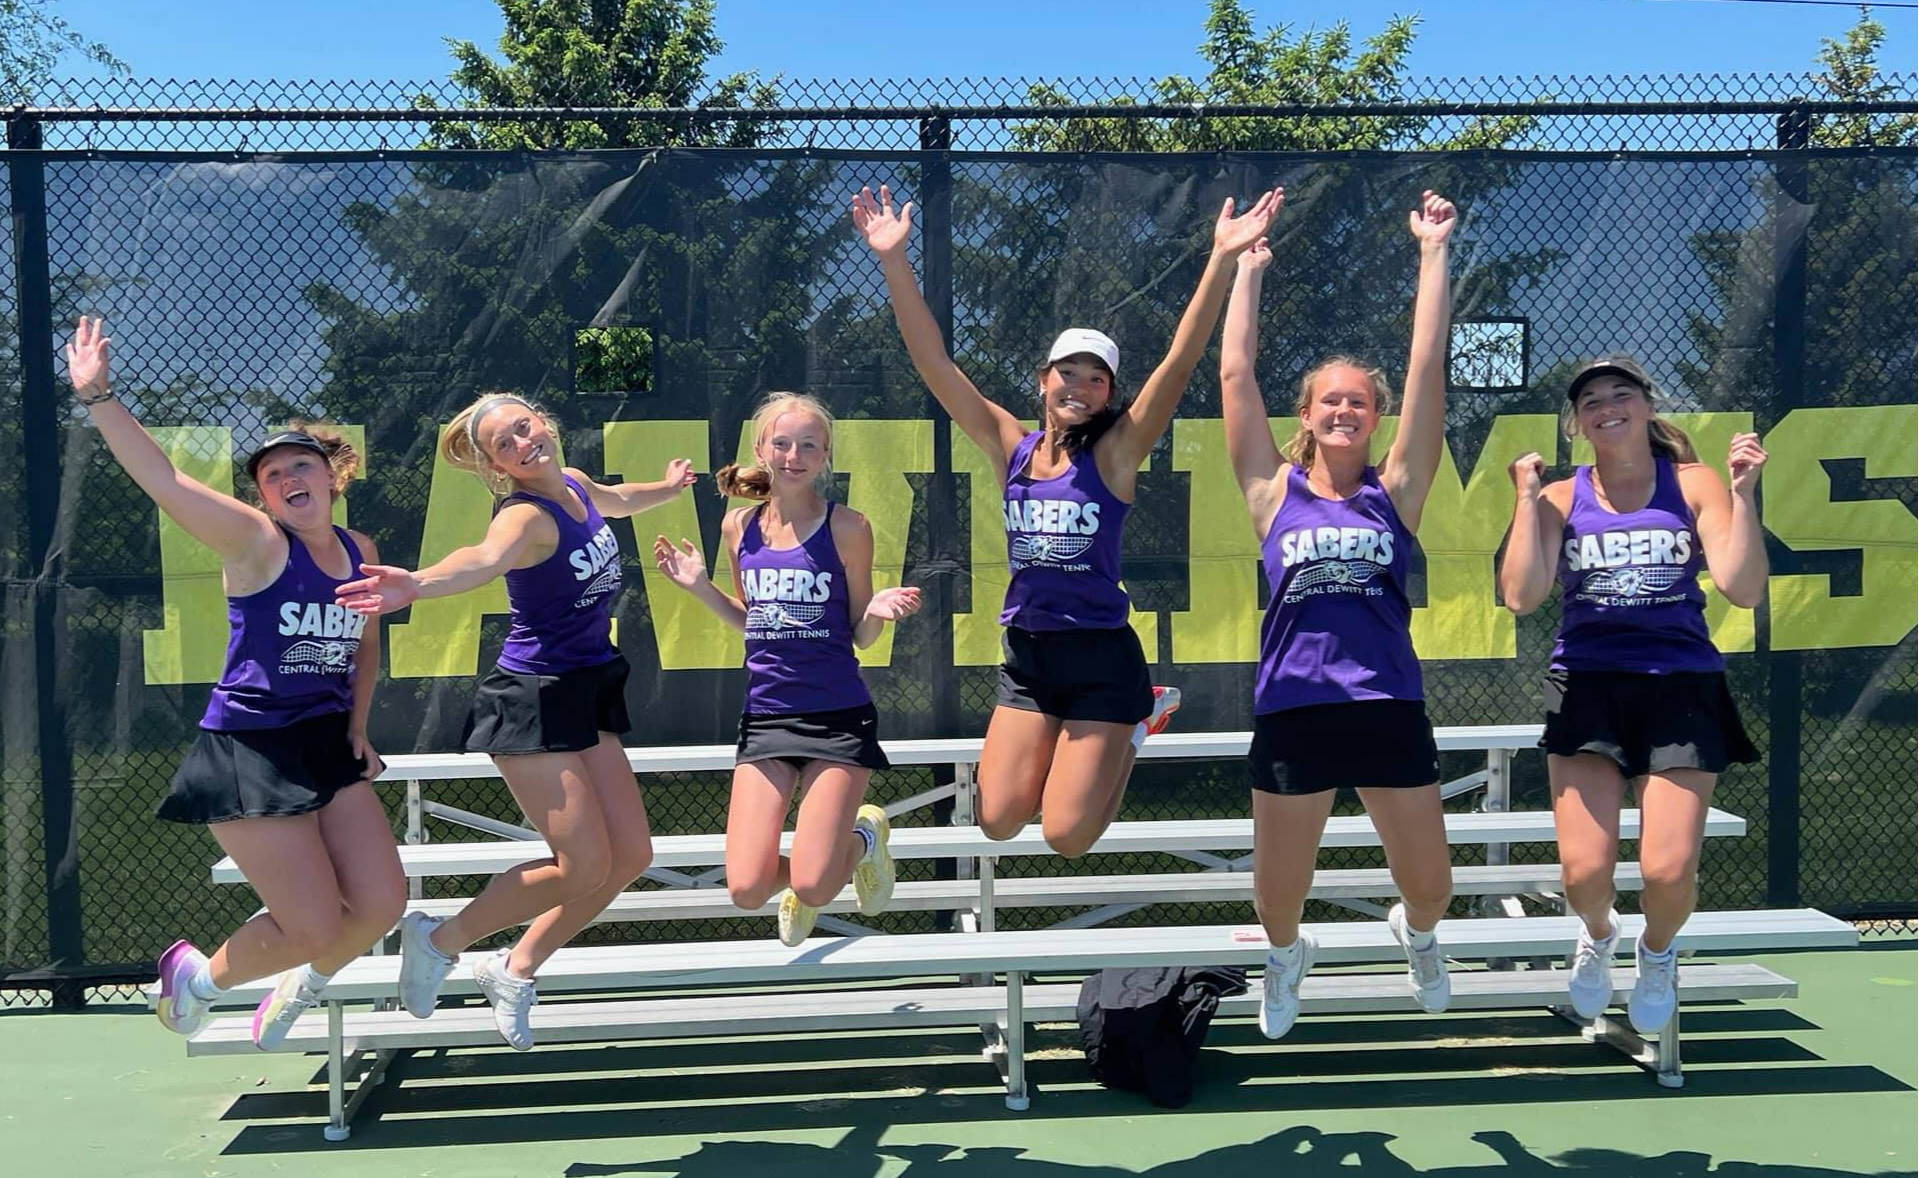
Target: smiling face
x=296, y=486
x=1611, y=410
x=1074, y=390
x=796, y=449
x=517, y=442
x=1341, y=409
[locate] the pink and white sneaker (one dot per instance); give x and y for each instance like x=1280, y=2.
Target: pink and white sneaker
x=1165, y=703
x=179, y=1009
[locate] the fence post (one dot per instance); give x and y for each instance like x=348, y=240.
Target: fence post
x=39, y=424
x=1790, y=227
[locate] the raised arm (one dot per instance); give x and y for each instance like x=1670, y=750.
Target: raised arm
x=239, y=533
x=1407, y=474
x=1729, y=525
x=366, y=676
x=629, y=499
x=1249, y=434
x=853, y=538
x=991, y=427
x=685, y=567
x=1133, y=437
x=1539, y=520
x=521, y=535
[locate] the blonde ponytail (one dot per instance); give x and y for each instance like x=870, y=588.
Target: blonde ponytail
x=460, y=441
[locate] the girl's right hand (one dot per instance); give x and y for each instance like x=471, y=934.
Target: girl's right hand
x=684, y=566
x=384, y=589
x=1256, y=257
x=885, y=231
x=1528, y=473
x=87, y=360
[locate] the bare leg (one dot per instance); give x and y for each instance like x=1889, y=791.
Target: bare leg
x=1672, y=824
x=366, y=862
x=1412, y=829
x=1013, y=767
x=755, y=869
x=1286, y=833
x=825, y=849
x=1086, y=783
x=1587, y=790
x=286, y=861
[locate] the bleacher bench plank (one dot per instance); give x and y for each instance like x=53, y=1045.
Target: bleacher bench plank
x=767, y=1014
x=826, y=959
x=945, y=751
x=950, y=842
x=1192, y=887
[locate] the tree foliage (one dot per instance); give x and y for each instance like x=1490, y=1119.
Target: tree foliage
x=1850, y=73
x=33, y=43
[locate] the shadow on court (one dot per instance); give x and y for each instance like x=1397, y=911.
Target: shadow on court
x=867, y=1083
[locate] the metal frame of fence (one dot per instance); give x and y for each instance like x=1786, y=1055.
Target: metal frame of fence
x=1775, y=114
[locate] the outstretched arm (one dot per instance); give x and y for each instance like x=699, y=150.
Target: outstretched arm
x=991, y=427
x=1407, y=474
x=231, y=528
x=1249, y=434
x=366, y=676
x=1729, y=526
x=685, y=567
x=519, y=536
x=1526, y=572
x=629, y=499
x=1135, y=435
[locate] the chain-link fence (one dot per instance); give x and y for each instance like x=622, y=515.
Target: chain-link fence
x=268, y=251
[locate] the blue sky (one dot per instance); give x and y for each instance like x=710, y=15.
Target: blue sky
x=365, y=39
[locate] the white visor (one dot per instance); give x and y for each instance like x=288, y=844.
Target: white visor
x=1077, y=340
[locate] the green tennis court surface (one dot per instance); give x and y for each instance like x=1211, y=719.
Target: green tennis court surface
x=1823, y=1085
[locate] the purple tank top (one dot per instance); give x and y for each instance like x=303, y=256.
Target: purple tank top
x=1062, y=542
x=1632, y=600
x=799, y=625
x=290, y=653
x=563, y=606
x=1339, y=625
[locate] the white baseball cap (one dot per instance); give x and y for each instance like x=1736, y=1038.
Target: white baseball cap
x=1077, y=340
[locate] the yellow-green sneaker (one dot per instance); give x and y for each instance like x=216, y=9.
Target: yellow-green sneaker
x=873, y=875
x=796, y=919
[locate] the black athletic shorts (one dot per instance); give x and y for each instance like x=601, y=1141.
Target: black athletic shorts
x=1076, y=674
x=1646, y=723
x=516, y=714
x=262, y=772
x=1364, y=744
x=848, y=736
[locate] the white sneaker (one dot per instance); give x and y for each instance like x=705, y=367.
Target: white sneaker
x=1432, y=985
x=423, y=968
x=1285, y=970
x=1655, y=992
x=796, y=919
x=278, y=1011
x=874, y=874
x=512, y=1000
x=1591, y=984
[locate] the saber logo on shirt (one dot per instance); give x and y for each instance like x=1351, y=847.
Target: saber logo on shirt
x=785, y=603
x=598, y=561
x=1635, y=567
x=1053, y=533
x=1336, y=560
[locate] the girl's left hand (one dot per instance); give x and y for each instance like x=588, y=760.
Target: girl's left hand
x=363, y=749
x=890, y=605
x=1745, y=460
x=1433, y=221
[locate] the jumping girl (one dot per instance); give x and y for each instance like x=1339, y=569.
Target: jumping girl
x=1338, y=701
x=802, y=574
x=1637, y=692
x=1075, y=699
x=281, y=771
x=551, y=713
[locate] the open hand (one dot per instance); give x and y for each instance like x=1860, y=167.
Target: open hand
x=87, y=359
x=384, y=589
x=890, y=605
x=679, y=473
x=1231, y=234
x=885, y=231
x=684, y=566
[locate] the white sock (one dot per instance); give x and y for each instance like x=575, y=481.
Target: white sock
x=1285, y=951
x=1139, y=736
x=1663, y=955
x=868, y=837
x=1418, y=940
x=201, y=986
x=312, y=980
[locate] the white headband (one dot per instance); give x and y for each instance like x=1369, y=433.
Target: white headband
x=485, y=407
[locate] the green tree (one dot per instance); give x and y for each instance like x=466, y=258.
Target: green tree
x=33, y=43
x=1851, y=73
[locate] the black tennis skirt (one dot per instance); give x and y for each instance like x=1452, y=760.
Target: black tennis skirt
x=515, y=714
x=848, y=736
x=262, y=772
x=1646, y=723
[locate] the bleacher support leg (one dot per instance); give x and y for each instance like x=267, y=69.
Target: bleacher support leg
x=337, y=1128
x=1016, y=1096
x=1660, y=1056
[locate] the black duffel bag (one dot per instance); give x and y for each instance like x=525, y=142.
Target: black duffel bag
x=1141, y=1029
